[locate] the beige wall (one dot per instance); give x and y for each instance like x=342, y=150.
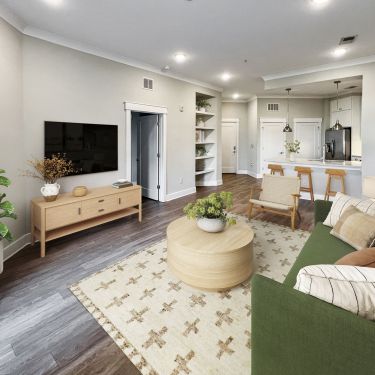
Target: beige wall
x=239, y=111
x=253, y=137
x=12, y=137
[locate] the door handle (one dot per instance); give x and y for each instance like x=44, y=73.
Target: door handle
x=101, y=201
x=101, y=210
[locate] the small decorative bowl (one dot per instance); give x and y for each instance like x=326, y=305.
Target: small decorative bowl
x=80, y=191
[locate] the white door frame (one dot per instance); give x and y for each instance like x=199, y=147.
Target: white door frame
x=236, y=123
x=263, y=121
x=130, y=107
x=312, y=120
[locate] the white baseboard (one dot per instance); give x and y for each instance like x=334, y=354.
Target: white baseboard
x=180, y=194
x=242, y=171
x=210, y=183
x=254, y=174
x=17, y=245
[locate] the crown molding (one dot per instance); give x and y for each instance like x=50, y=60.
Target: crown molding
x=86, y=48
x=239, y=101
x=321, y=68
x=11, y=18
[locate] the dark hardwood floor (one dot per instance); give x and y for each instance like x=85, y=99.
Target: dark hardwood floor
x=45, y=330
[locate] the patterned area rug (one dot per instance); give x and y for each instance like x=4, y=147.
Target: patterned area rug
x=168, y=328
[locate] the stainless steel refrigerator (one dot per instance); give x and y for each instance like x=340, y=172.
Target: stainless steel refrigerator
x=338, y=144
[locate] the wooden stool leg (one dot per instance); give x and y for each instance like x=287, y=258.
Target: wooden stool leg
x=328, y=188
x=293, y=219
x=282, y=172
x=343, y=184
x=311, y=188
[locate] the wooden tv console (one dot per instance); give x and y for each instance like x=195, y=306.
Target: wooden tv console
x=69, y=214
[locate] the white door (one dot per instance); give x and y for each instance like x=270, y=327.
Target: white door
x=309, y=134
x=272, y=143
x=149, y=156
x=229, y=146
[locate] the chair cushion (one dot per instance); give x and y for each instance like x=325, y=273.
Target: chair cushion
x=279, y=189
x=348, y=287
x=356, y=228
x=341, y=202
x=276, y=206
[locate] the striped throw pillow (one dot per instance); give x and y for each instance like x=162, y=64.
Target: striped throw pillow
x=342, y=202
x=348, y=287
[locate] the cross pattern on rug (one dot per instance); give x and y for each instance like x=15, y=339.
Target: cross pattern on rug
x=166, y=327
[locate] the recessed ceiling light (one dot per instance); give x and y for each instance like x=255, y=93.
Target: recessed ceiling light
x=180, y=57
x=226, y=76
x=235, y=96
x=339, y=51
x=319, y=3
x=54, y=3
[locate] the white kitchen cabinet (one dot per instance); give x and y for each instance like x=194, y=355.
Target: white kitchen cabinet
x=349, y=116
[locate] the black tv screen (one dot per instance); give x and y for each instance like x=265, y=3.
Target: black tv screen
x=91, y=147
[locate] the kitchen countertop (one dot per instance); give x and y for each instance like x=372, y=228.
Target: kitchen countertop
x=316, y=163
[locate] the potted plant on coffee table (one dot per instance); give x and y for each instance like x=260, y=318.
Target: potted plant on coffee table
x=50, y=170
x=210, y=212
x=6, y=211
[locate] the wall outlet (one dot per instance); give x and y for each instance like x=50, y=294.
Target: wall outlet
x=251, y=164
x=181, y=180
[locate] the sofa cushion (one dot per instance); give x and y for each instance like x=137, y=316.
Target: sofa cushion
x=348, y=287
x=320, y=248
x=342, y=202
x=356, y=228
x=361, y=258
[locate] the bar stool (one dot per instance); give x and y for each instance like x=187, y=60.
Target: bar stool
x=276, y=168
x=306, y=171
x=338, y=174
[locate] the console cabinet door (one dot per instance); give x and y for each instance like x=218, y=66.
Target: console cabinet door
x=129, y=198
x=60, y=216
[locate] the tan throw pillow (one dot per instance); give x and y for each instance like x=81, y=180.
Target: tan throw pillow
x=355, y=228
x=361, y=258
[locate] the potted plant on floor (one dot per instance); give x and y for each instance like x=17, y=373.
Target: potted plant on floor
x=210, y=212
x=293, y=148
x=50, y=170
x=6, y=211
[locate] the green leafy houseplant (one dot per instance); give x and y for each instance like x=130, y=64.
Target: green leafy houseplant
x=6, y=209
x=203, y=103
x=293, y=147
x=212, y=207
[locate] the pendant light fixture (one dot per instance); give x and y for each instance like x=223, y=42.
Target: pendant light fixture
x=287, y=128
x=337, y=126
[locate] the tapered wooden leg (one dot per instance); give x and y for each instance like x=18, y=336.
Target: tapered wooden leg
x=328, y=188
x=343, y=184
x=311, y=188
x=140, y=213
x=293, y=220
x=32, y=225
x=250, y=210
x=42, y=244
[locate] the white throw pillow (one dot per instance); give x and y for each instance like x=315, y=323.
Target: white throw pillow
x=349, y=287
x=341, y=202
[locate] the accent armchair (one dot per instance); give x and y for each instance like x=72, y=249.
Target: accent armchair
x=279, y=195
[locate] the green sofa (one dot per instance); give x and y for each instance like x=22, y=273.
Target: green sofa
x=297, y=334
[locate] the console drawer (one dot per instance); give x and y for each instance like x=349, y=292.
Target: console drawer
x=129, y=198
x=99, y=206
x=60, y=216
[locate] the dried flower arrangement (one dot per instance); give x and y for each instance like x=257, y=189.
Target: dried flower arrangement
x=49, y=170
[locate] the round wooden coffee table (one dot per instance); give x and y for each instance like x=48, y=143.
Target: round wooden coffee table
x=210, y=261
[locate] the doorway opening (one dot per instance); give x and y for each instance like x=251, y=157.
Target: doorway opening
x=146, y=149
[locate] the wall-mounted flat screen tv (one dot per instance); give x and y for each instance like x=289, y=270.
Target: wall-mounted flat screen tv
x=93, y=148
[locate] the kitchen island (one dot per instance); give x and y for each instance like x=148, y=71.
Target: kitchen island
x=353, y=179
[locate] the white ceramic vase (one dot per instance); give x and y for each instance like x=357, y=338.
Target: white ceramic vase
x=292, y=156
x=202, y=109
x=211, y=225
x=50, y=191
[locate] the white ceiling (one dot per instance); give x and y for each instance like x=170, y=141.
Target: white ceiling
x=217, y=35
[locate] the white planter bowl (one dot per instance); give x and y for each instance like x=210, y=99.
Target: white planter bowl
x=211, y=225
